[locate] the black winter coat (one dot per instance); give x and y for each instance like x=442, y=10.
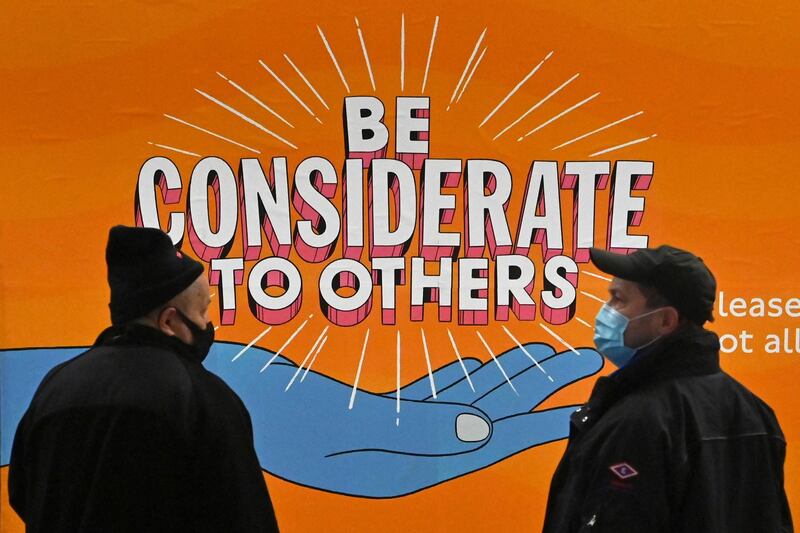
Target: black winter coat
x=670, y=443
x=135, y=435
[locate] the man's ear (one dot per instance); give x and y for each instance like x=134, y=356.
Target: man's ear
x=167, y=319
x=670, y=320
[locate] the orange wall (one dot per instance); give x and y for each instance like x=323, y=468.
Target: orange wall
x=84, y=89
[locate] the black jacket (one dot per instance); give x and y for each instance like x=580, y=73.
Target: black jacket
x=670, y=443
x=135, y=435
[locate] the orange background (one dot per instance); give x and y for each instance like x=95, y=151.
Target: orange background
x=84, y=88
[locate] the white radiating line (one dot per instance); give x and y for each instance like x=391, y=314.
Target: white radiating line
x=428, y=362
x=525, y=350
x=598, y=130
x=430, y=53
x=245, y=118
x=397, y=408
x=165, y=147
x=366, y=55
x=402, y=51
x=310, y=364
x=466, y=67
x=216, y=328
x=358, y=372
x=333, y=58
x=252, y=342
x=515, y=89
x=617, y=147
x=536, y=105
x=582, y=321
x=474, y=67
x=559, y=339
x=593, y=297
x=255, y=99
x=497, y=362
x=460, y=361
x=290, y=91
x=212, y=294
x=217, y=135
x=553, y=119
x=308, y=83
x=310, y=352
x=288, y=341
x=595, y=275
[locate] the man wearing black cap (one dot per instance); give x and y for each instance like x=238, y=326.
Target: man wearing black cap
x=668, y=442
x=135, y=435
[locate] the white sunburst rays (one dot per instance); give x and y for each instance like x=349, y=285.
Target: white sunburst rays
x=289, y=90
x=313, y=359
x=333, y=58
x=244, y=117
x=497, y=362
x=430, y=54
x=311, y=352
x=559, y=115
x=536, y=106
x=366, y=54
x=211, y=133
x=255, y=99
x=173, y=149
x=358, y=372
x=598, y=130
x=515, y=89
x=467, y=68
x=286, y=343
x=397, y=405
x=261, y=103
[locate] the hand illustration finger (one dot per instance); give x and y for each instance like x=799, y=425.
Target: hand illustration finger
x=489, y=376
x=443, y=377
x=538, y=382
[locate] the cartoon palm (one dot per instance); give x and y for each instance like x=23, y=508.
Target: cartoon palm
x=308, y=433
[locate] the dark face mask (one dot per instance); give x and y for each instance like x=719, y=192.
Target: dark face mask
x=203, y=338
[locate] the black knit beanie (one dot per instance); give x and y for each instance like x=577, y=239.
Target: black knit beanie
x=145, y=270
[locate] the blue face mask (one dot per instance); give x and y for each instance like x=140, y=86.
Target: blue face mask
x=609, y=335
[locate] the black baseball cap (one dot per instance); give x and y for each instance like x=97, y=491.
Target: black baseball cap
x=680, y=276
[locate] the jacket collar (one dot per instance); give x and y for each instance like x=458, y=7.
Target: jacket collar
x=691, y=351
x=140, y=335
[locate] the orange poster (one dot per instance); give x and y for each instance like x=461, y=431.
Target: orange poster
x=394, y=204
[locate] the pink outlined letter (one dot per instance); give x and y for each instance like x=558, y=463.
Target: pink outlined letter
x=540, y=219
x=275, y=272
x=226, y=274
x=365, y=134
x=391, y=176
x=349, y=310
x=431, y=288
x=513, y=286
x=215, y=173
x=163, y=173
x=265, y=205
x=389, y=272
x=473, y=291
x=485, y=215
x=583, y=177
x=436, y=208
x=316, y=234
x=625, y=210
x=560, y=288
x=353, y=209
x=412, y=130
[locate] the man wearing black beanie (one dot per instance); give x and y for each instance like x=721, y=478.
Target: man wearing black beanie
x=135, y=435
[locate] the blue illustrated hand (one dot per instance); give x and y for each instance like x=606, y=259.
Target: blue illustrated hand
x=307, y=434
